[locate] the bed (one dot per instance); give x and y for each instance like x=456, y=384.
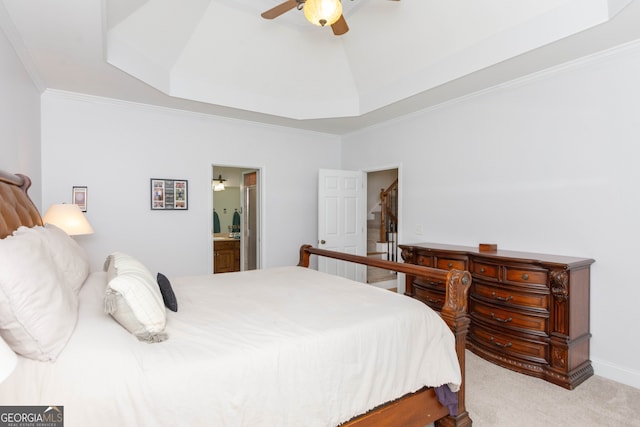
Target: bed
x=286, y=346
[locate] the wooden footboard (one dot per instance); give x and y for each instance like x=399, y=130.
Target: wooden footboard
x=420, y=408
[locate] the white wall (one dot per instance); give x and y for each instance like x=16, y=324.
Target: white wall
x=114, y=148
x=19, y=118
x=547, y=164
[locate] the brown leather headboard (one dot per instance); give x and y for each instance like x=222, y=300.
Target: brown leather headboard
x=16, y=208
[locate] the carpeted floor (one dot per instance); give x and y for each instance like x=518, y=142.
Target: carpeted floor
x=498, y=397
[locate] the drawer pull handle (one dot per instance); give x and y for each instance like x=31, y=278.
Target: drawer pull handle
x=507, y=345
x=525, y=276
x=509, y=298
x=481, y=269
x=499, y=319
x=450, y=265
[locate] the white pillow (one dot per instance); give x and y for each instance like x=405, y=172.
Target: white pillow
x=67, y=254
x=37, y=311
x=133, y=298
x=119, y=262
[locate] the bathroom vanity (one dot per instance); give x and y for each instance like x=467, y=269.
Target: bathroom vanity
x=226, y=254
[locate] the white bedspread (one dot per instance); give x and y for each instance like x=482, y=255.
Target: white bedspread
x=278, y=347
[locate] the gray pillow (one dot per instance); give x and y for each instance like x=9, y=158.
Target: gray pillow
x=168, y=296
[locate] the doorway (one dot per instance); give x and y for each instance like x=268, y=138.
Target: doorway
x=235, y=218
x=382, y=224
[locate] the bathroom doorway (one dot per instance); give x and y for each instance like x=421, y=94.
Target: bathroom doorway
x=236, y=213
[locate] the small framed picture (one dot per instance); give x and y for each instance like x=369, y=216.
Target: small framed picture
x=180, y=194
x=169, y=194
x=157, y=194
x=79, y=197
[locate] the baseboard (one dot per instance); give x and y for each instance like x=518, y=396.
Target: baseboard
x=626, y=376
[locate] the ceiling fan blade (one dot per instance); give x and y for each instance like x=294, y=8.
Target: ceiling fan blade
x=340, y=26
x=279, y=9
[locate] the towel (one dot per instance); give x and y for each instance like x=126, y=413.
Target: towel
x=216, y=222
x=236, y=219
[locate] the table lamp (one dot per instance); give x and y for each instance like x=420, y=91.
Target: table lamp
x=69, y=218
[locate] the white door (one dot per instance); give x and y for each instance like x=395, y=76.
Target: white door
x=341, y=220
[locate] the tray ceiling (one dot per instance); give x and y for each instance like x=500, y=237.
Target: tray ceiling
x=221, y=57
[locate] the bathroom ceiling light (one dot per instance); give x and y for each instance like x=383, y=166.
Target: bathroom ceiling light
x=218, y=183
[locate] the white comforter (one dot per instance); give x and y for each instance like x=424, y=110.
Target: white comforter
x=278, y=347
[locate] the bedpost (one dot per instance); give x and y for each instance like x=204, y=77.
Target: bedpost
x=454, y=313
x=304, y=256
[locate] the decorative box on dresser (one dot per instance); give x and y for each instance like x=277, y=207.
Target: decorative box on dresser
x=529, y=312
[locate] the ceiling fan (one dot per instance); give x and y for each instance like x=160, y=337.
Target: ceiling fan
x=318, y=12
x=313, y=12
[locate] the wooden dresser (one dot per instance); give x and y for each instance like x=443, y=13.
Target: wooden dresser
x=529, y=312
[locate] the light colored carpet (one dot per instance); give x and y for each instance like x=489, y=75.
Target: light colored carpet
x=498, y=397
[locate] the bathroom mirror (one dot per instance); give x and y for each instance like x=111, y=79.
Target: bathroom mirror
x=225, y=204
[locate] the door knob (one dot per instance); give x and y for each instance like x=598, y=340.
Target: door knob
x=322, y=242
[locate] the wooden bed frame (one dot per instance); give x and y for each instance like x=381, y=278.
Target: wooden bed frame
x=422, y=407
x=413, y=410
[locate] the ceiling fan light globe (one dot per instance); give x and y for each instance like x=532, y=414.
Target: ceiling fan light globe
x=322, y=12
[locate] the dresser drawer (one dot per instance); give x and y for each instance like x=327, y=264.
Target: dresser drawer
x=433, y=298
x=499, y=317
x=509, y=297
x=495, y=342
x=427, y=261
x=490, y=271
x=526, y=276
x=449, y=264
x=421, y=281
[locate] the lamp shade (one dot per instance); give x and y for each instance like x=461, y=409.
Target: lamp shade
x=69, y=218
x=322, y=12
x=8, y=360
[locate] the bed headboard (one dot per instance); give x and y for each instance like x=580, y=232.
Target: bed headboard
x=16, y=208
